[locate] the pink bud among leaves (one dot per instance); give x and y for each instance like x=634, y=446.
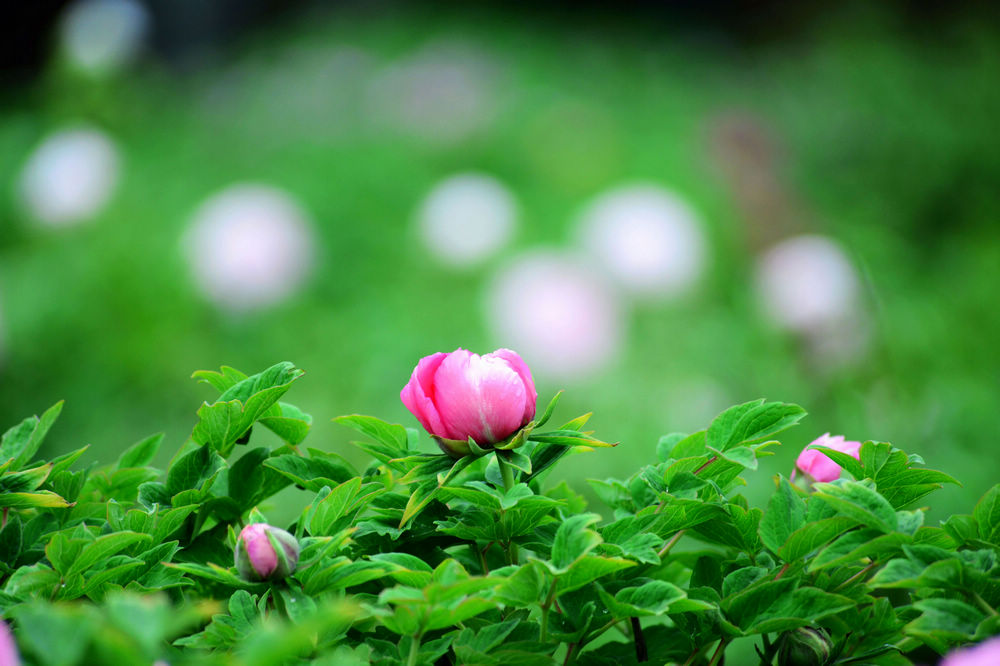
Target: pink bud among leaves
x=8, y=648
x=816, y=463
x=984, y=654
x=462, y=395
x=264, y=552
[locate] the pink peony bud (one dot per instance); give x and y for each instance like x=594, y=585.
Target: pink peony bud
x=8, y=648
x=264, y=552
x=817, y=465
x=462, y=395
x=984, y=654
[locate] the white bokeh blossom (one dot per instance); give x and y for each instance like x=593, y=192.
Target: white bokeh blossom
x=70, y=176
x=467, y=218
x=647, y=238
x=249, y=246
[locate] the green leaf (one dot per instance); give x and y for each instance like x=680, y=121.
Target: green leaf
x=785, y=514
x=587, y=569
x=21, y=442
x=855, y=545
x=57, y=635
x=291, y=424
x=846, y=461
x=573, y=540
x=141, y=453
x=547, y=414
x=194, y=470
x=652, y=597
x=944, y=621
x=813, y=536
x=229, y=418
x=777, y=606
x=857, y=500
x=569, y=438
x=751, y=422
x=987, y=515
x=104, y=547
x=251, y=480
x=40, y=499
x=389, y=434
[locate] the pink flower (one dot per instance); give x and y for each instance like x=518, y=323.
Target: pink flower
x=8, y=648
x=984, y=654
x=817, y=465
x=462, y=395
x=264, y=552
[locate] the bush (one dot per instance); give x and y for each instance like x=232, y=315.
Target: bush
x=426, y=559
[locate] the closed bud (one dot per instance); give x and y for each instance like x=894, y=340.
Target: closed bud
x=463, y=396
x=264, y=552
x=805, y=646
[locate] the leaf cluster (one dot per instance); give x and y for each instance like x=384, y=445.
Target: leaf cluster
x=424, y=559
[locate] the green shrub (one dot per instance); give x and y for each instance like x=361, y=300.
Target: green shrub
x=424, y=559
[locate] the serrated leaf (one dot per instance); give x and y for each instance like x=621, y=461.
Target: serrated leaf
x=141, y=453
x=388, y=434
x=860, y=502
x=785, y=514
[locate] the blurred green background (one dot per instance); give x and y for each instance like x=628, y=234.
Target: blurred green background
x=873, y=127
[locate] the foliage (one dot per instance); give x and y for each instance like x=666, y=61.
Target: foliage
x=421, y=559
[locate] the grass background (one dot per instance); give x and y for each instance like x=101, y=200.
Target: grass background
x=887, y=140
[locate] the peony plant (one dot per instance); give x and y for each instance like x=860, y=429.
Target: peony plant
x=468, y=549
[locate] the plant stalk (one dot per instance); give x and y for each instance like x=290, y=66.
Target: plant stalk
x=414, y=651
x=670, y=544
x=719, y=651
x=543, y=633
x=641, y=651
x=507, y=474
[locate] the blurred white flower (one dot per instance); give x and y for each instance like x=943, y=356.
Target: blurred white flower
x=444, y=92
x=807, y=284
x=557, y=313
x=103, y=36
x=249, y=246
x=70, y=176
x=648, y=239
x=466, y=218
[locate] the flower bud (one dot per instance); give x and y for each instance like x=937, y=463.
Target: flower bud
x=8, y=648
x=984, y=654
x=805, y=646
x=264, y=552
x=817, y=465
x=461, y=396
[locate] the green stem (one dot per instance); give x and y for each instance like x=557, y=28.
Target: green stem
x=508, y=482
x=670, y=544
x=505, y=472
x=414, y=651
x=543, y=634
x=982, y=603
x=718, y=652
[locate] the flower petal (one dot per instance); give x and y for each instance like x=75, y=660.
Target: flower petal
x=481, y=397
x=521, y=368
x=418, y=394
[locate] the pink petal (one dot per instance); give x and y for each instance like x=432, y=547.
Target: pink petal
x=479, y=397
x=418, y=394
x=262, y=556
x=8, y=648
x=524, y=372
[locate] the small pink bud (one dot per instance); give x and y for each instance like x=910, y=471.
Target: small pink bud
x=816, y=463
x=984, y=654
x=462, y=395
x=264, y=552
x=8, y=648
